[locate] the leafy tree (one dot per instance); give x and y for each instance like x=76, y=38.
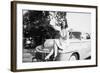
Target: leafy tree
x=36, y=24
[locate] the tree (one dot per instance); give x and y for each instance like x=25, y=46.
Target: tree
x=36, y=24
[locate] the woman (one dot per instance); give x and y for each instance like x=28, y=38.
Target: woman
x=60, y=25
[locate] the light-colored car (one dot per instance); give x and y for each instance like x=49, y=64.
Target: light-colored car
x=77, y=48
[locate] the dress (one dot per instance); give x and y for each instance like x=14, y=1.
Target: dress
x=62, y=45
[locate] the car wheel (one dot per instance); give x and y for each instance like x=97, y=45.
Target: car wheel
x=73, y=57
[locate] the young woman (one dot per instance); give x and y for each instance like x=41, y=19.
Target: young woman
x=59, y=22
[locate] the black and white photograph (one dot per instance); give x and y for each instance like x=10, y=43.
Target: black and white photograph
x=53, y=36
x=56, y=36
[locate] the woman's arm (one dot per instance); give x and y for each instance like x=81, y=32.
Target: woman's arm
x=56, y=49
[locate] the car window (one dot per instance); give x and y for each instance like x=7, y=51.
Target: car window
x=75, y=35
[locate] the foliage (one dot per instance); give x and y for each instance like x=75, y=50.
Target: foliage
x=36, y=25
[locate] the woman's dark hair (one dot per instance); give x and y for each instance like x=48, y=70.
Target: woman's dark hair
x=66, y=25
x=62, y=15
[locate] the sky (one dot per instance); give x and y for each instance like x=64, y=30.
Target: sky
x=79, y=21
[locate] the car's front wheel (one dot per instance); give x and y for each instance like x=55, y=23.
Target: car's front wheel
x=73, y=57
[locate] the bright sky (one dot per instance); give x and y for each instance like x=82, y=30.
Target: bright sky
x=79, y=21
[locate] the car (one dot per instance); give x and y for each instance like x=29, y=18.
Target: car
x=76, y=48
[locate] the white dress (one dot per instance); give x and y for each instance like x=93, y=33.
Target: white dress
x=63, y=43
